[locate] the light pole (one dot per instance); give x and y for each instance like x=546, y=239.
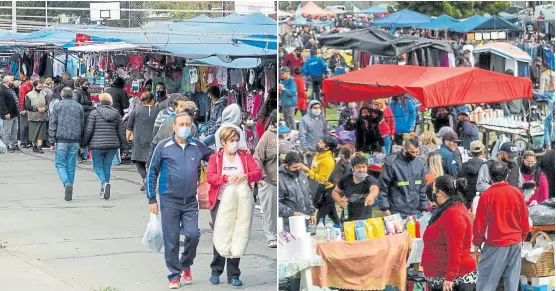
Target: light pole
x=14, y=25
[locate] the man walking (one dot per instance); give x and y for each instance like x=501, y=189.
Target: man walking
x=175, y=168
x=288, y=96
x=315, y=68
x=9, y=111
x=65, y=132
x=267, y=158
x=502, y=233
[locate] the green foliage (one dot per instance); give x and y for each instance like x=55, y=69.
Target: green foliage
x=456, y=9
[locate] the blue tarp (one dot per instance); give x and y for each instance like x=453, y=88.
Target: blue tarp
x=317, y=23
x=402, y=18
x=477, y=22
x=59, y=38
x=439, y=23
x=372, y=10
x=243, y=63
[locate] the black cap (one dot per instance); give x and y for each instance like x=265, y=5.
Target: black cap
x=298, y=49
x=313, y=52
x=510, y=148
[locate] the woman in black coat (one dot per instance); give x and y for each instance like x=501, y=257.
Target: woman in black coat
x=367, y=134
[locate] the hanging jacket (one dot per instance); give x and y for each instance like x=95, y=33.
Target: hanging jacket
x=367, y=133
x=402, y=185
x=216, y=179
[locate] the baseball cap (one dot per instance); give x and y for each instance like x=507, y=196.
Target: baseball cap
x=298, y=49
x=285, y=70
x=510, y=148
x=314, y=52
x=450, y=136
x=476, y=146
x=444, y=130
x=283, y=130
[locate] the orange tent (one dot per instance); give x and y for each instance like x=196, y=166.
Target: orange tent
x=314, y=10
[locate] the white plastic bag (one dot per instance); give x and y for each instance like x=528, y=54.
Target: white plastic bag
x=233, y=221
x=3, y=148
x=153, y=235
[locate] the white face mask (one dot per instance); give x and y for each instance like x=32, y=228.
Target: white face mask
x=249, y=122
x=233, y=147
x=315, y=112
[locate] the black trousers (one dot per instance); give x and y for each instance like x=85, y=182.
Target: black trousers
x=142, y=169
x=218, y=261
x=317, y=85
x=328, y=208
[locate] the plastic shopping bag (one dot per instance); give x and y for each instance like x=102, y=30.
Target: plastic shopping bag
x=3, y=148
x=153, y=235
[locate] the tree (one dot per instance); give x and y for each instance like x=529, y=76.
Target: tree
x=456, y=9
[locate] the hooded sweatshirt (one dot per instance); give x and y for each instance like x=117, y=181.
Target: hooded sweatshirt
x=104, y=129
x=405, y=116
x=266, y=156
x=215, y=115
x=231, y=117
x=312, y=129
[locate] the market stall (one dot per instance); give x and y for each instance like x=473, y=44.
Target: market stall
x=501, y=56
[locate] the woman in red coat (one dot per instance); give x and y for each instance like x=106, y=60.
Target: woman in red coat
x=301, y=93
x=447, y=261
x=226, y=167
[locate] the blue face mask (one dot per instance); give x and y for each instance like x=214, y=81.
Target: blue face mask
x=184, y=132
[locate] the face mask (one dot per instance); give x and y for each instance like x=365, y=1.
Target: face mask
x=184, y=132
x=409, y=156
x=11, y=85
x=294, y=173
x=315, y=112
x=298, y=55
x=85, y=88
x=232, y=147
x=435, y=198
x=360, y=176
x=366, y=117
x=528, y=170
x=320, y=150
x=249, y=122
x=38, y=90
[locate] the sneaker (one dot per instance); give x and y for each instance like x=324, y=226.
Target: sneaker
x=11, y=150
x=68, y=192
x=143, y=187
x=174, y=284
x=272, y=244
x=235, y=282
x=40, y=151
x=101, y=194
x=17, y=148
x=107, y=191
x=186, y=276
x=35, y=149
x=214, y=280
x=24, y=145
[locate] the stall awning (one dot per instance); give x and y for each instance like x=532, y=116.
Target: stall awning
x=402, y=18
x=439, y=23
x=373, y=10
x=314, y=10
x=432, y=86
x=505, y=50
x=477, y=22
x=104, y=47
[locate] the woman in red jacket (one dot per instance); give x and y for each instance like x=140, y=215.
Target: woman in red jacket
x=226, y=167
x=447, y=261
x=387, y=126
x=301, y=93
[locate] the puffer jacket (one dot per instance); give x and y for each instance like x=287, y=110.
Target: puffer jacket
x=83, y=98
x=470, y=171
x=402, y=185
x=367, y=133
x=293, y=194
x=104, y=129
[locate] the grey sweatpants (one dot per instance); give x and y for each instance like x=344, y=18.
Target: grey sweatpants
x=289, y=116
x=268, y=194
x=497, y=262
x=9, y=136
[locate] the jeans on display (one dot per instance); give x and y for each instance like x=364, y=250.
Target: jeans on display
x=289, y=116
x=209, y=140
x=387, y=145
x=65, y=159
x=9, y=136
x=102, y=163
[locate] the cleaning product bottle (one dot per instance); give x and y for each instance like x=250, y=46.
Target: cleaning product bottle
x=329, y=230
x=337, y=232
x=320, y=235
x=346, y=214
x=411, y=227
x=417, y=229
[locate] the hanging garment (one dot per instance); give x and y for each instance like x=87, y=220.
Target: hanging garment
x=257, y=104
x=36, y=63
x=135, y=62
x=211, y=79
x=42, y=64
x=235, y=77
x=121, y=60
x=203, y=74
x=222, y=76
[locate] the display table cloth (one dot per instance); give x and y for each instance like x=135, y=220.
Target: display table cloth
x=363, y=265
x=289, y=269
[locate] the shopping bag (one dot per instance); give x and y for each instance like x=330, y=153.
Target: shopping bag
x=3, y=148
x=203, y=195
x=153, y=235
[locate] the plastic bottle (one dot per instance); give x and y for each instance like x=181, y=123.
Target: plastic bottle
x=346, y=214
x=337, y=232
x=329, y=230
x=320, y=234
x=411, y=227
x=417, y=228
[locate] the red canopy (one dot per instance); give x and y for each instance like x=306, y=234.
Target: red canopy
x=433, y=86
x=314, y=10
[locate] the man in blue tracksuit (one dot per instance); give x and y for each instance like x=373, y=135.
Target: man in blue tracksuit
x=405, y=116
x=175, y=167
x=288, y=96
x=315, y=68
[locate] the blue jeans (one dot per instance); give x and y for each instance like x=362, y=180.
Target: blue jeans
x=102, y=162
x=65, y=160
x=209, y=140
x=387, y=145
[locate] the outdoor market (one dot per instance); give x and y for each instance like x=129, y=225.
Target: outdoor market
x=405, y=138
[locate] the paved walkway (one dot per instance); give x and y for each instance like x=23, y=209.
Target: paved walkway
x=89, y=244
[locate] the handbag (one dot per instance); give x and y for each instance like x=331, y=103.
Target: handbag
x=203, y=189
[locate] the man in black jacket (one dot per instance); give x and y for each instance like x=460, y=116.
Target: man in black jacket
x=470, y=170
x=120, y=100
x=9, y=112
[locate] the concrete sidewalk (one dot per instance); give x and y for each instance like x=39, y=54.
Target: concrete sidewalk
x=88, y=244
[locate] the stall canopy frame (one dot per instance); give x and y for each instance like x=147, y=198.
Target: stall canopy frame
x=432, y=86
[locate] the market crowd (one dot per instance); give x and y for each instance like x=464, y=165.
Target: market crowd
x=330, y=171
x=173, y=153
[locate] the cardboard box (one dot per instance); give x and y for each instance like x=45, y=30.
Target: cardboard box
x=543, y=281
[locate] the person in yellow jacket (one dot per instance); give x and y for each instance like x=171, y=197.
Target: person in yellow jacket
x=322, y=166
